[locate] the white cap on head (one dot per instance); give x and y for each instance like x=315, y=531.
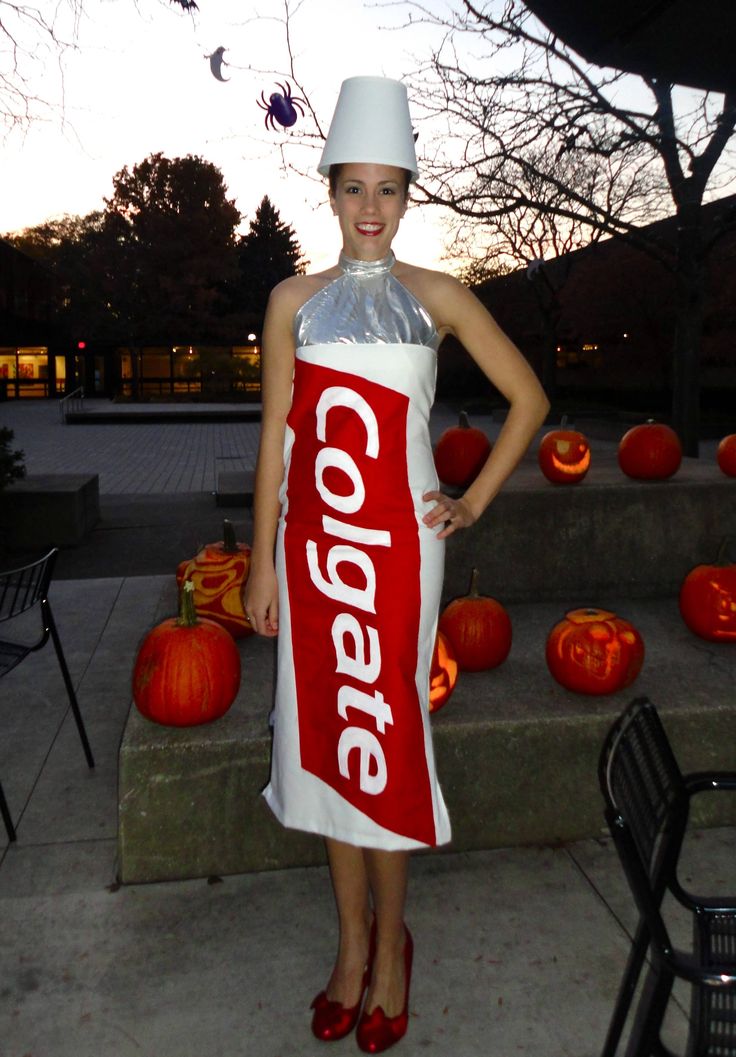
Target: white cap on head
x=371, y=123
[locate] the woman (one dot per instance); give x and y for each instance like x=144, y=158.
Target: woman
x=347, y=495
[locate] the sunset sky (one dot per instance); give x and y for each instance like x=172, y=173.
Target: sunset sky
x=138, y=81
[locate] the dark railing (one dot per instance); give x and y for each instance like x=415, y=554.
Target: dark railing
x=72, y=403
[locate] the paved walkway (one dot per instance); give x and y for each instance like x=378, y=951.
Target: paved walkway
x=519, y=951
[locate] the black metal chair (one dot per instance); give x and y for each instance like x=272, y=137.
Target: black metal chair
x=20, y=591
x=647, y=805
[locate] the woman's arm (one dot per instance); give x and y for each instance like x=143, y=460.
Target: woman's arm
x=277, y=368
x=461, y=313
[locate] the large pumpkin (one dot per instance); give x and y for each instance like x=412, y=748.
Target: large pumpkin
x=219, y=572
x=443, y=674
x=593, y=651
x=187, y=670
x=650, y=452
x=708, y=600
x=479, y=629
x=564, y=455
x=726, y=455
x=460, y=453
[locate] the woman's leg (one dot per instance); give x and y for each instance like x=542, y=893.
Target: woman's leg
x=350, y=885
x=388, y=873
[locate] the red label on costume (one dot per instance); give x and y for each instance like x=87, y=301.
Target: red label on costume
x=352, y=558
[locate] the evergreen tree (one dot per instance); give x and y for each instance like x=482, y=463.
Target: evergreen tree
x=268, y=253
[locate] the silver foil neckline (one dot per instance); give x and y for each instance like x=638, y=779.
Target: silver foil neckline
x=366, y=305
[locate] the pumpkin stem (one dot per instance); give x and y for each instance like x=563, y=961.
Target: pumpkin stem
x=563, y=422
x=187, y=610
x=229, y=542
x=463, y=420
x=723, y=551
x=473, y=589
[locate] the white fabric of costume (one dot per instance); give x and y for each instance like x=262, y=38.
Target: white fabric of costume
x=360, y=575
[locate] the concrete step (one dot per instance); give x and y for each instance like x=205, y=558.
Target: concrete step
x=50, y=509
x=516, y=753
x=609, y=534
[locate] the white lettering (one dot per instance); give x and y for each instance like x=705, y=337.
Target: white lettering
x=372, y=704
x=329, y=458
x=370, y=752
x=355, y=663
x=333, y=586
x=341, y=396
x=355, y=533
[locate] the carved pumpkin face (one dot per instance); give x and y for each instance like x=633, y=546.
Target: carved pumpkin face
x=564, y=456
x=443, y=673
x=726, y=455
x=592, y=651
x=650, y=452
x=708, y=602
x=219, y=572
x=460, y=453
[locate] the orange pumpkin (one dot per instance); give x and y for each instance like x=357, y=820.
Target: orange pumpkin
x=187, y=670
x=564, y=455
x=219, y=572
x=460, y=453
x=726, y=455
x=593, y=651
x=650, y=452
x=708, y=599
x=478, y=628
x=443, y=673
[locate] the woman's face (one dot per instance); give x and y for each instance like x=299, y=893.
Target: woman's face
x=369, y=202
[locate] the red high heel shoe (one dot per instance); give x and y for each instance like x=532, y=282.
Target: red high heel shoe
x=376, y=1032
x=331, y=1020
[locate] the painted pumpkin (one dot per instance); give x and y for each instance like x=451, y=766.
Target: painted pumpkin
x=479, y=629
x=460, y=453
x=443, y=673
x=187, y=670
x=708, y=599
x=726, y=455
x=564, y=455
x=593, y=651
x=650, y=452
x=219, y=572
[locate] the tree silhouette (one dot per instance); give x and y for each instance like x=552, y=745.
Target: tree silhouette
x=268, y=253
x=167, y=249
x=532, y=127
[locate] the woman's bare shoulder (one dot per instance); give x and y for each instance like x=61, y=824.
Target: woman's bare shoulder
x=290, y=294
x=441, y=294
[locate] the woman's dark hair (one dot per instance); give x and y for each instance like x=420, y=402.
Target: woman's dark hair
x=334, y=175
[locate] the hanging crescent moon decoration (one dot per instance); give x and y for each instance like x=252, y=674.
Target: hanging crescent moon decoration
x=217, y=58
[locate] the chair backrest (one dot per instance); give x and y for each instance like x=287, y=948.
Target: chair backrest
x=25, y=587
x=644, y=789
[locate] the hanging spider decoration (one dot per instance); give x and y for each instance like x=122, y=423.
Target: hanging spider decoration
x=281, y=106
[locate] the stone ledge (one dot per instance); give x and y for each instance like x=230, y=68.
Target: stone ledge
x=517, y=755
x=608, y=534
x=44, y=510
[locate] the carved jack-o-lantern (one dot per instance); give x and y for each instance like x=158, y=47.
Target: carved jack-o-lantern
x=708, y=599
x=564, y=455
x=443, y=673
x=592, y=651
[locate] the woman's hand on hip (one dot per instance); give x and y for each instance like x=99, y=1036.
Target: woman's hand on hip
x=451, y=514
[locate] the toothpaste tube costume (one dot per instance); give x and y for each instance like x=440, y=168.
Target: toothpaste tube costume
x=360, y=575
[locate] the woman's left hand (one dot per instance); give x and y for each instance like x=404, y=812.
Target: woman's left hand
x=451, y=514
